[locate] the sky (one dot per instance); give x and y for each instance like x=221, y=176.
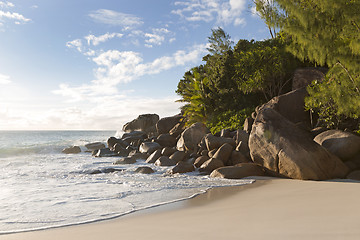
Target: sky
x=95, y=65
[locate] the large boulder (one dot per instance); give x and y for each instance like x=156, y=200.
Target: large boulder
x=72, y=150
x=239, y=171
x=277, y=144
x=94, y=146
x=145, y=123
x=212, y=142
x=344, y=145
x=166, y=140
x=149, y=147
x=191, y=137
x=291, y=106
x=210, y=165
x=304, y=76
x=182, y=167
x=224, y=153
x=113, y=140
x=236, y=158
x=164, y=125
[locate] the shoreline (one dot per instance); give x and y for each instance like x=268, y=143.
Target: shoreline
x=266, y=209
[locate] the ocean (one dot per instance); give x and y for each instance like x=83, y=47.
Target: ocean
x=40, y=187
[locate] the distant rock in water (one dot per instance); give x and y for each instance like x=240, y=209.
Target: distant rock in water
x=95, y=146
x=144, y=170
x=72, y=150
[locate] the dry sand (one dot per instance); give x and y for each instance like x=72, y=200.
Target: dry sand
x=268, y=209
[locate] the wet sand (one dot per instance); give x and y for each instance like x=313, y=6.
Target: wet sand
x=268, y=209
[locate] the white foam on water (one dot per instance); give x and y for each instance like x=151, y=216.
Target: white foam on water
x=48, y=189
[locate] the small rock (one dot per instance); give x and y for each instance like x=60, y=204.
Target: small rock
x=165, y=161
x=168, y=151
x=71, y=150
x=144, y=170
x=178, y=156
x=138, y=156
x=149, y=147
x=154, y=156
x=213, y=142
x=95, y=146
x=248, y=124
x=200, y=160
x=126, y=160
x=182, y=167
x=105, y=152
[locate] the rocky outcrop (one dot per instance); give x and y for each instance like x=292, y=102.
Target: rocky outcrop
x=344, y=145
x=72, y=150
x=239, y=171
x=304, y=76
x=291, y=106
x=191, y=137
x=145, y=123
x=277, y=144
x=164, y=125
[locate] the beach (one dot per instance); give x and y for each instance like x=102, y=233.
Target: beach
x=266, y=209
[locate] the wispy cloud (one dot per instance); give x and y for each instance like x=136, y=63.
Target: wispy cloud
x=157, y=37
x=118, y=67
x=96, y=40
x=6, y=4
x=76, y=43
x=111, y=17
x=4, y=79
x=222, y=11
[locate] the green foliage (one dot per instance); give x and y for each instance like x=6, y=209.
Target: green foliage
x=327, y=32
x=229, y=120
x=232, y=82
x=269, y=12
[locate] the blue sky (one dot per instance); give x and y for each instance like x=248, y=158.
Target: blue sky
x=89, y=64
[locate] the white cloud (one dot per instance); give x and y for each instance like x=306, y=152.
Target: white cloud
x=6, y=4
x=4, y=79
x=157, y=37
x=223, y=11
x=118, y=67
x=77, y=44
x=13, y=16
x=111, y=17
x=96, y=40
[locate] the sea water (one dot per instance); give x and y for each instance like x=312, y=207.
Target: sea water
x=40, y=187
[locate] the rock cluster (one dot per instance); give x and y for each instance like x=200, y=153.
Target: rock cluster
x=277, y=141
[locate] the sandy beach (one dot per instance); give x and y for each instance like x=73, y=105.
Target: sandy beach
x=267, y=209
